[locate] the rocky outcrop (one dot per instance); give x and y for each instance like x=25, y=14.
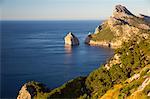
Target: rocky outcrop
x=121, y=11
x=71, y=39
x=119, y=28
x=87, y=39
x=26, y=92
x=113, y=61
x=31, y=89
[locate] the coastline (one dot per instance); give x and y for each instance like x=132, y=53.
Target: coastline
x=131, y=57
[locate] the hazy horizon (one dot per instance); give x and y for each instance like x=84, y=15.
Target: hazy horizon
x=67, y=9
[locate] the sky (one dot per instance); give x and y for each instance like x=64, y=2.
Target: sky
x=67, y=9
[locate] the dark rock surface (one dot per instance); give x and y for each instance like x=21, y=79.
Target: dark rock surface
x=122, y=9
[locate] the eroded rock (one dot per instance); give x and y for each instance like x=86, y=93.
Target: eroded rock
x=71, y=39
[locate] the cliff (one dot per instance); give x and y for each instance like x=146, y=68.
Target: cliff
x=126, y=75
x=120, y=27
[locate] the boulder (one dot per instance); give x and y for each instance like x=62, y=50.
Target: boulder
x=71, y=39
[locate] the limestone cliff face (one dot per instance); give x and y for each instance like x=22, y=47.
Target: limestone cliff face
x=119, y=28
x=71, y=39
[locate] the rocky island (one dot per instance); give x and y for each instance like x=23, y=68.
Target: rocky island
x=71, y=39
x=126, y=75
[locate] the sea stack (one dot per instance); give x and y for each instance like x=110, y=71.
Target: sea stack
x=71, y=39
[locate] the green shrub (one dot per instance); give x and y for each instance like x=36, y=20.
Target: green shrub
x=99, y=81
x=117, y=74
x=72, y=89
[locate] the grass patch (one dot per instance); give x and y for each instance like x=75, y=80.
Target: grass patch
x=104, y=34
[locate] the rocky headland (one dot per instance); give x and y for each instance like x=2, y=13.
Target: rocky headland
x=126, y=75
x=120, y=27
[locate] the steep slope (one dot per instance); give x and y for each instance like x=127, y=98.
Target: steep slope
x=127, y=63
x=135, y=87
x=125, y=75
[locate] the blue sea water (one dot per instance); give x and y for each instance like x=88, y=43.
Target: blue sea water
x=34, y=50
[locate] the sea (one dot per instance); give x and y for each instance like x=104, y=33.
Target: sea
x=35, y=51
